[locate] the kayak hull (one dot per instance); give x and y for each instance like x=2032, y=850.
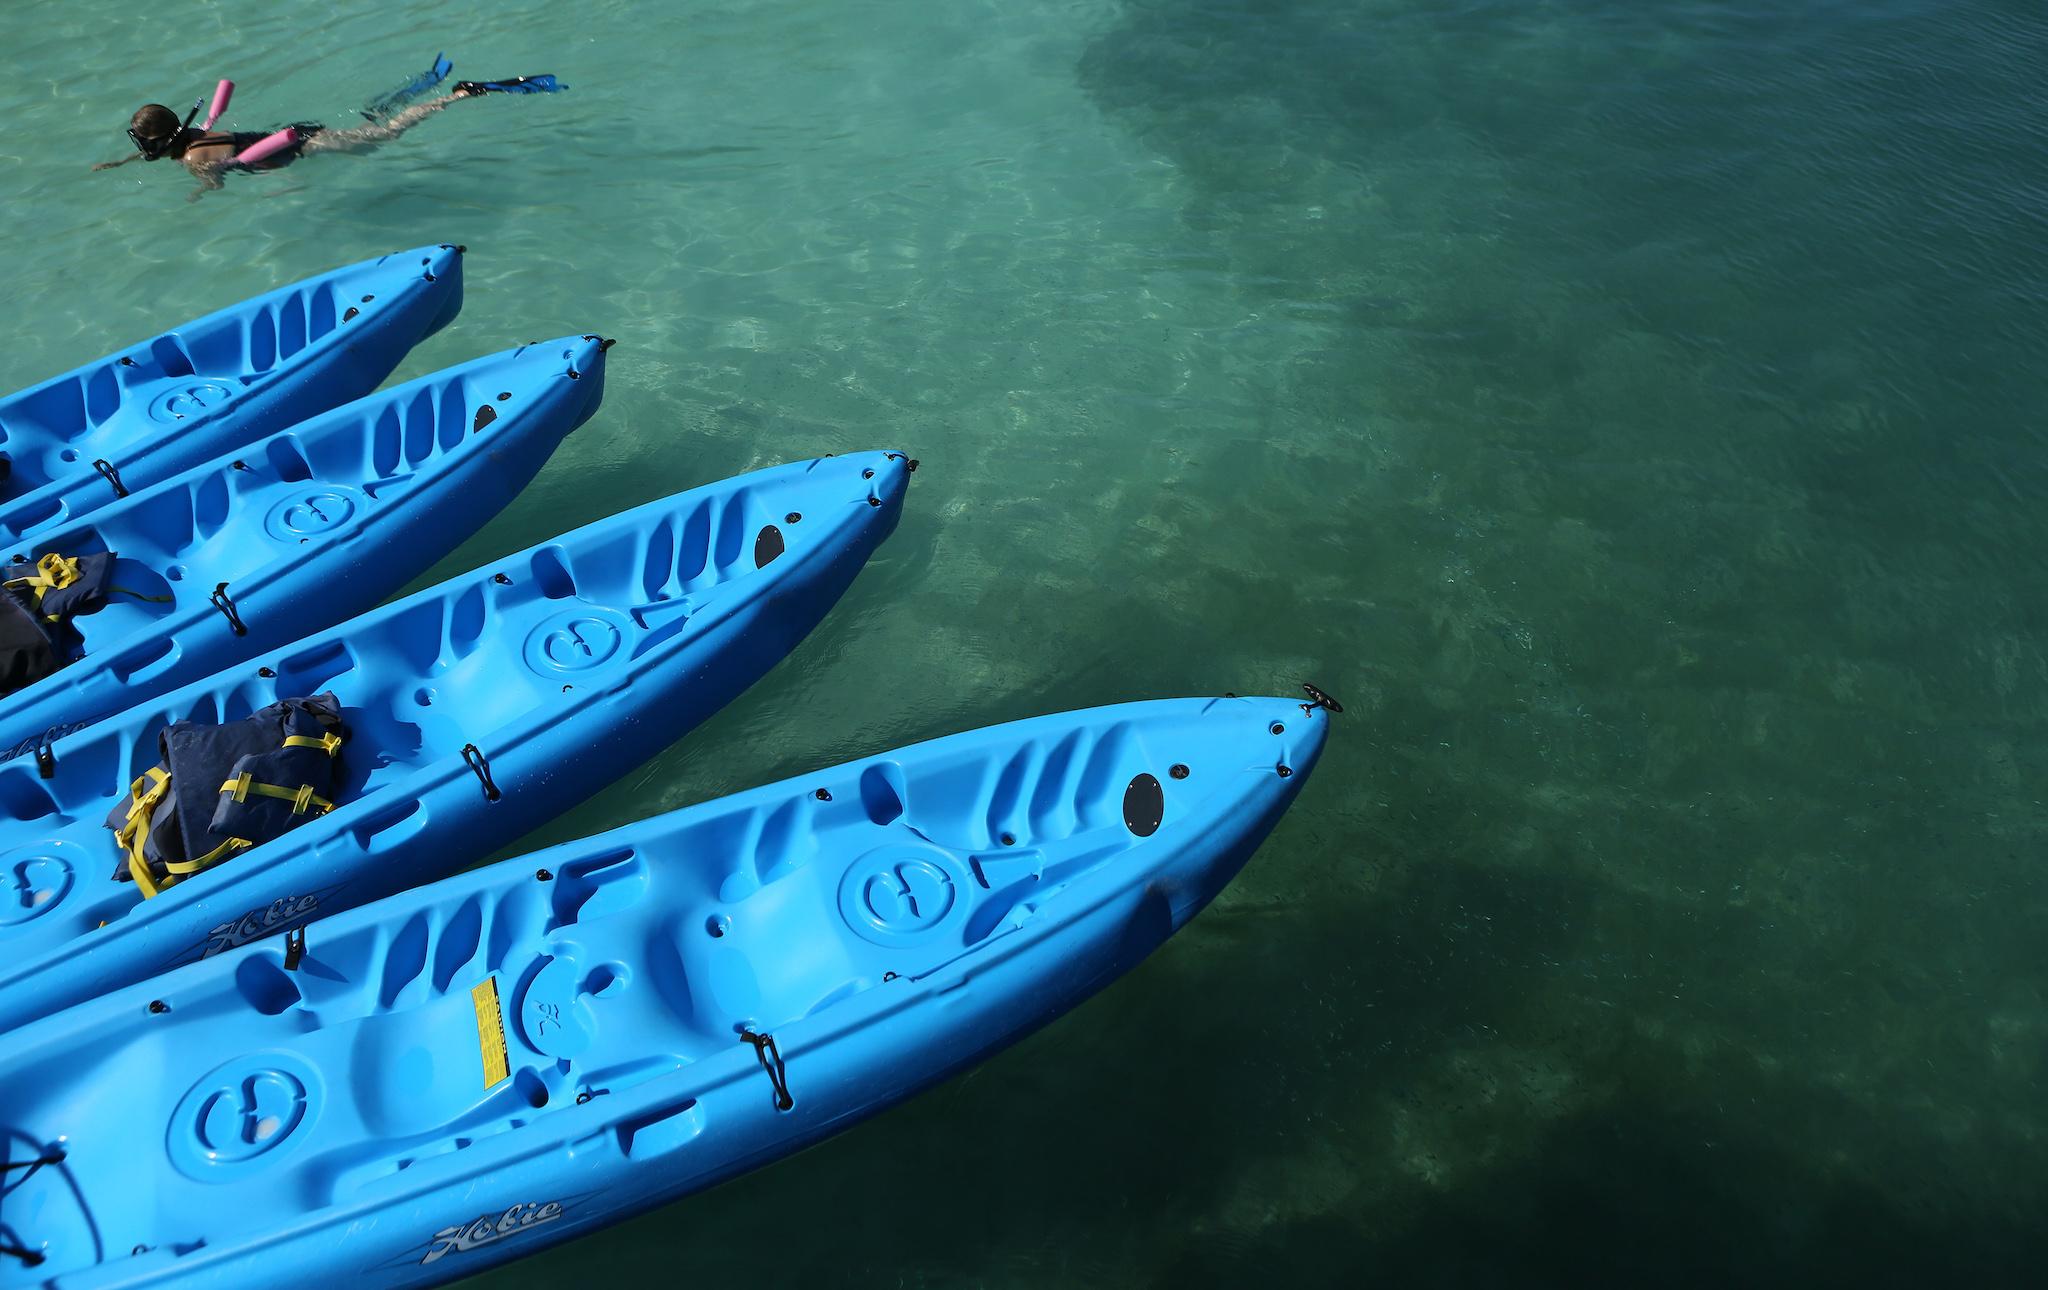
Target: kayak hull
x=301, y=529
x=155, y=409
x=474, y=1071
x=477, y=709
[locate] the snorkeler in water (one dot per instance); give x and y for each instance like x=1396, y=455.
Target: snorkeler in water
x=157, y=132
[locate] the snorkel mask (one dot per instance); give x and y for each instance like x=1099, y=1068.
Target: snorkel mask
x=156, y=147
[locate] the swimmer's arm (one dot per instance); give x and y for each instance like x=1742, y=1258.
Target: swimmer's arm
x=109, y=165
x=209, y=179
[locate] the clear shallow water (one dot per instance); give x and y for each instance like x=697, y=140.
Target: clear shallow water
x=1631, y=410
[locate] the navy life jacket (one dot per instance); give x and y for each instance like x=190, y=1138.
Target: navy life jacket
x=40, y=600
x=27, y=654
x=222, y=789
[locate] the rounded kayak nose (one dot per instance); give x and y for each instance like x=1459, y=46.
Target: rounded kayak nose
x=586, y=355
x=891, y=478
x=880, y=478
x=442, y=266
x=444, y=260
x=1312, y=724
x=1292, y=730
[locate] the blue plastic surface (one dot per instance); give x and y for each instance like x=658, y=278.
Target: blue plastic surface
x=171, y=402
x=886, y=922
x=564, y=666
x=305, y=527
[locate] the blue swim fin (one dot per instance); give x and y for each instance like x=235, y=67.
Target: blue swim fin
x=385, y=104
x=541, y=84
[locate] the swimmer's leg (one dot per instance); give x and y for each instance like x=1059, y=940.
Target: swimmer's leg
x=369, y=136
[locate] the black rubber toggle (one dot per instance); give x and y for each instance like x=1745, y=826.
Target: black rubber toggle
x=112, y=476
x=294, y=948
x=1319, y=699
x=226, y=604
x=480, y=766
x=771, y=1062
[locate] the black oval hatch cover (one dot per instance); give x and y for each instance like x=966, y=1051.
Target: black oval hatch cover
x=1144, y=803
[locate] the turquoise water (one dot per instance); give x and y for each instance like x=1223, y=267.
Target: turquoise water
x=1629, y=408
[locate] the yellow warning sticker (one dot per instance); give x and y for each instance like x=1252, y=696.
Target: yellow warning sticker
x=490, y=1030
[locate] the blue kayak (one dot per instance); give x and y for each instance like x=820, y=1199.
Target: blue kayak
x=475, y=710
x=299, y=530
x=136, y=417
x=470, y=1072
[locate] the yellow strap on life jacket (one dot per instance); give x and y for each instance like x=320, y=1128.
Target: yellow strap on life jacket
x=53, y=573
x=328, y=743
x=148, y=792
x=302, y=798
x=233, y=846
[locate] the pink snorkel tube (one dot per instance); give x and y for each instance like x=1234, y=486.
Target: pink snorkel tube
x=221, y=95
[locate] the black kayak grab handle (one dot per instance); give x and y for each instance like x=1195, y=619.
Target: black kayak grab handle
x=480, y=766
x=226, y=604
x=771, y=1063
x=112, y=476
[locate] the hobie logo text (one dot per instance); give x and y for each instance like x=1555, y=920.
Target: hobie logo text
x=488, y=1228
x=259, y=923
